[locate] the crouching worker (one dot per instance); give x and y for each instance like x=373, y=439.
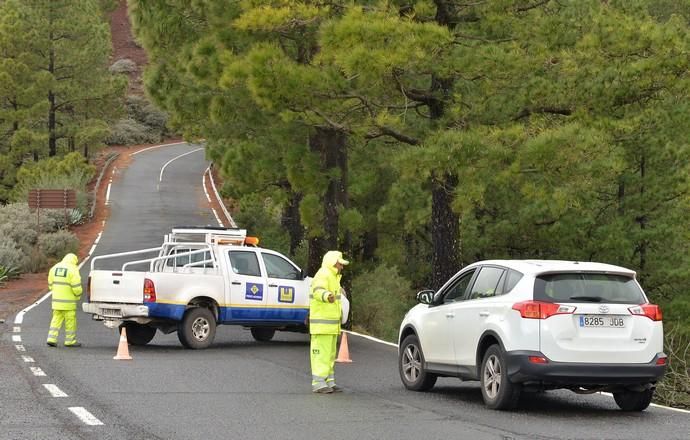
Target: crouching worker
x=324, y=322
x=65, y=283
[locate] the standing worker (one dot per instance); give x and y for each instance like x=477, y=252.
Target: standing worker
x=324, y=322
x=65, y=283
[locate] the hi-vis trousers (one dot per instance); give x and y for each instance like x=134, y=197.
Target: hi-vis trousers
x=323, y=352
x=69, y=317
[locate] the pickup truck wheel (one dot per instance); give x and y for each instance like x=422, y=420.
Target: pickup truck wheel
x=197, y=329
x=138, y=334
x=263, y=334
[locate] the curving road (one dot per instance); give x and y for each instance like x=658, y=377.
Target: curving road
x=240, y=388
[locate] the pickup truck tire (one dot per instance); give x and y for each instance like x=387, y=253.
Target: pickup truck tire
x=197, y=329
x=138, y=334
x=263, y=334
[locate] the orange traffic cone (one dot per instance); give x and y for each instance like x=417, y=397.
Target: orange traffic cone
x=123, y=348
x=344, y=352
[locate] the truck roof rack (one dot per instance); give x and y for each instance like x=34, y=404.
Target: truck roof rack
x=208, y=234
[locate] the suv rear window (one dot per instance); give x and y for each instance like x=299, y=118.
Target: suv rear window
x=587, y=287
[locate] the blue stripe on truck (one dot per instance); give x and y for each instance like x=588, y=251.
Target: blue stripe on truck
x=288, y=315
x=175, y=312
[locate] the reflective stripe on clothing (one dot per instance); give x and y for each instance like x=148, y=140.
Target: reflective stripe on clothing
x=324, y=321
x=69, y=318
x=322, y=357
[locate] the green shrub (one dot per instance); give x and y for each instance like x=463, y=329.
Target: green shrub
x=71, y=171
x=130, y=132
x=123, y=65
x=7, y=273
x=10, y=254
x=674, y=388
x=55, y=245
x=35, y=261
x=141, y=110
x=380, y=299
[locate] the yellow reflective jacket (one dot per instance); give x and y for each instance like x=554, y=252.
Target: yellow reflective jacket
x=324, y=317
x=65, y=283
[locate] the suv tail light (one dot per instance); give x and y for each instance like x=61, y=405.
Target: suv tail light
x=542, y=310
x=149, y=291
x=651, y=311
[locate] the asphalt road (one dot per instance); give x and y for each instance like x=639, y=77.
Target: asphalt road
x=240, y=388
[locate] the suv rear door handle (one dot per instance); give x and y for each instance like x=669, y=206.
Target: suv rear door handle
x=236, y=283
x=450, y=315
x=484, y=313
x=272, y=285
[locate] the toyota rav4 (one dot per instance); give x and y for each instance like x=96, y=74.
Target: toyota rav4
x=532, y=325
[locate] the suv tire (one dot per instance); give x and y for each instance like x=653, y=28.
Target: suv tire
x=634, y=400
x=263, y=334
x=138, y=334
x=197, y=329
x=498, y=392
x=411, y=366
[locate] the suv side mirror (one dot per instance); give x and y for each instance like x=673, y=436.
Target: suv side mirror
x=425, y=296
x=303, y=274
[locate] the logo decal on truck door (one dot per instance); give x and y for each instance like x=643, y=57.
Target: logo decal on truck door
x=286, y=294
x=254, y=292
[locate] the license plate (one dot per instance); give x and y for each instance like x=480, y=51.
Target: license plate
x=604, y=321
x=111, y=313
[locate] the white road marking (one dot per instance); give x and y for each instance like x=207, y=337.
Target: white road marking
x=107, y=193
x=20, y=348
x=160, y=176
x=203, y=183
x=28, y=359
x=220, y=223
x=37, y=371
x=16, y=338
x=16, y=329
x=85, y=416
x=371, y=338
x=157, y=146
x=228, y=217
x=54, y=390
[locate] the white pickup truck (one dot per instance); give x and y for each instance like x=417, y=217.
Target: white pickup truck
x=201, y=277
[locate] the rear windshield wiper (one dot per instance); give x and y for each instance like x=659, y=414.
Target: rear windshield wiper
x=588, y=298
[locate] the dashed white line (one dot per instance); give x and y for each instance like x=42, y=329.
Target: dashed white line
x=203, y=183
x=16, y=338
x=37, y=371
x=220, y=223
x=20, y=347
x=16, y=330
x=107, y=193
x=54, y=390
x=28, y=359
x=85, y=416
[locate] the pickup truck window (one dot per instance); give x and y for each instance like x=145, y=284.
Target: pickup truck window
x=244, y=263
x=278, y=267
x=188, y=259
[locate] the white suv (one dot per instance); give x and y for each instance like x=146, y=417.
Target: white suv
x=536, y=325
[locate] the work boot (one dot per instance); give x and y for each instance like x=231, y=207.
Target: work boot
x=51, y=344
x=76, y=344
x=323, y=390
x=336, y=388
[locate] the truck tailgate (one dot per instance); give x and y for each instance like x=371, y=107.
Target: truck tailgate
x=117, y=286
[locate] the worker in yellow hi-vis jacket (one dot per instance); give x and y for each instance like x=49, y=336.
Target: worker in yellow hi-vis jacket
x=65, y=283
x=324, y=321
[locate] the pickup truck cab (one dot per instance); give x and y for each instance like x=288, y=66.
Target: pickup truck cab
x=198, y=278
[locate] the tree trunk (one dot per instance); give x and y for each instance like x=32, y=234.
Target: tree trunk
x=330, y=144
x=292, y=221
x=444, y=230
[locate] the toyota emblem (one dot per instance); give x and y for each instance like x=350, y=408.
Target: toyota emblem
x=603, y=309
